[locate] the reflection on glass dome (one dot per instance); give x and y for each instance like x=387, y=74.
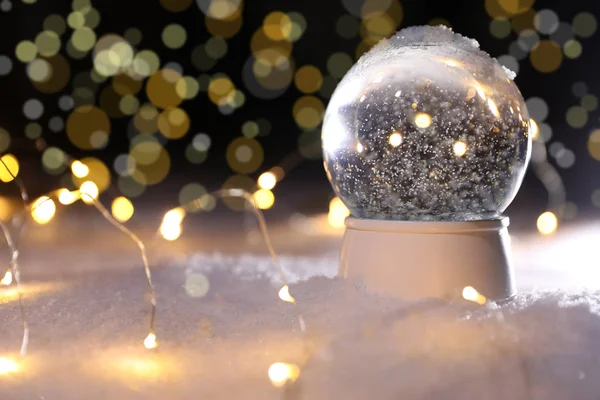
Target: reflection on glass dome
x=426, y=127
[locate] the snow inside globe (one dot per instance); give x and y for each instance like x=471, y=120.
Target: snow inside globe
x=426, y=127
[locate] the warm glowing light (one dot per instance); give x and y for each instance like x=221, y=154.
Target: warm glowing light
x=451, y=63
x=547, y=223
x=150, y=341
x=337, y=213
x=66, y=197
x=264, y=199
x=89, y=192
x=8, y=278
x=493, y=108
x=8, y=366
x=267, y=180
x=533, y=129
x=423, y=120
x=79, y=169
x=469, y=293
x=12, y=164
x=396, y=139
x=170, y=228
x=174, y=216
x=43, y=210
x=459, y=148
x=284, y=294
x=170, y=232
x=122, y=209
x=359, y=147
x=281, y=373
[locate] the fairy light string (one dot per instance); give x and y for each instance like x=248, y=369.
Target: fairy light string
x=14, y=260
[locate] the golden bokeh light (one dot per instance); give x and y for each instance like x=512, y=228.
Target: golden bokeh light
x=308, y=112
x=282, y=373
x=161, y=88
x=176, y=5
x=593, y=144
x=244, y=155
x=423, y=120
x=187, y=87
x=83, y=39
x=57, y=76
x=89, y=192
x=47, y=43
x=9, y=167
x=125, y=84
x=546, y=56
x=86, y=123
x=174, y=36
x=145, y=63
x=221, y=90
x=224, y=27
x=122, y=209
x=146, y=119
x=264, y=199
x=267, y=180
x=308, y=79
x=547, y=223
x=153, y=162
x=173, y=123
x=43, y=210
x=26, y=51
x=277, y=26
x=269, y=51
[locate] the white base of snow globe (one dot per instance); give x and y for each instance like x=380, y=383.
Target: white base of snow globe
x=420, y=259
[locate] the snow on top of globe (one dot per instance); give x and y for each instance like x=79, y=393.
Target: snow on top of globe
x=440, y=40
x=426, y=126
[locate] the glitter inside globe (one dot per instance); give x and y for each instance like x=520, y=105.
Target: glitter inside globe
x=426, y=127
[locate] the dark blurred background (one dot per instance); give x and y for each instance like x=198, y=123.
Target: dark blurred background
x=166, y=100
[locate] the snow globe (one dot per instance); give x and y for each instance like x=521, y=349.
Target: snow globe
x=426, y=141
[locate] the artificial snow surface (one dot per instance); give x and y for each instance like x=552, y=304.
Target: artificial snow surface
x=87, y=331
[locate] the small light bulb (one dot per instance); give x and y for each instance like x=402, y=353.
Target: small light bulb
x=471, y=294
x=89, y=192
x=79, y=169
x=267, y=180
x=150, y=341
x=43, y=210
x=284, y=294
x=8, y=278
x=280, y=373
x=66, y=197
x=170, y=232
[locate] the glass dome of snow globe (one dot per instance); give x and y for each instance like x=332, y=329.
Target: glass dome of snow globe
x=426, y=127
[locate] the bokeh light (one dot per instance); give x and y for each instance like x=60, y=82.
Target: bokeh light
x=9, y=167
x=547, y=223
x=43, y=210
x=122, y=209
